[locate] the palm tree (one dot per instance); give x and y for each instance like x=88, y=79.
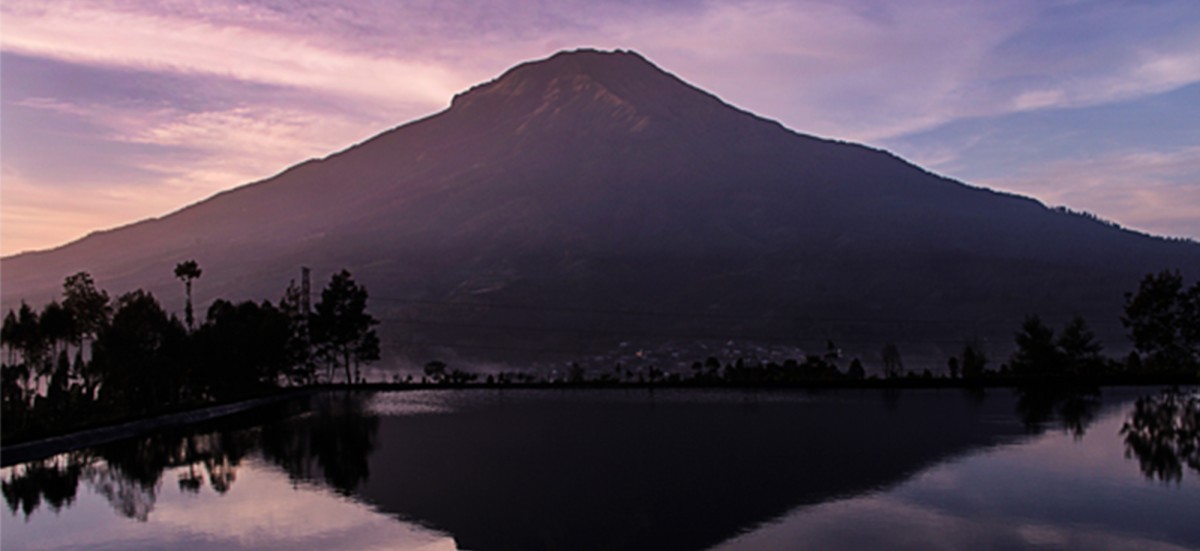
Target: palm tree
x=186, y=271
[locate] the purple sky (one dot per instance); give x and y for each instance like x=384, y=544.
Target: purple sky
x=115, y=111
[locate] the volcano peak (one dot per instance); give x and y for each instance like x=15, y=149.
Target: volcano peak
x=603, y=89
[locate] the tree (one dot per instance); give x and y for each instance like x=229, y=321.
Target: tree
x=91, y=311
x=974, y=361
x=342, y=328
x=301, y=368
x=892, y=364
x=57, y=326
x=9, y=337
x=1163, y=320
x=26, y=336
x=856, y=371
x=244, y=348
x=58, y=392
x=1079, y=348
x=435, y=370
x=1037, y=353
x=13, y=401
x=141, y=355
x=88, y=306
x=187, y=271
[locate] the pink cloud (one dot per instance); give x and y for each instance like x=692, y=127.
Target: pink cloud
x=1154, y=191
x=853, y=71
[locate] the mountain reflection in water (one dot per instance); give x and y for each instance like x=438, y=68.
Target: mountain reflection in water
x=574, y=469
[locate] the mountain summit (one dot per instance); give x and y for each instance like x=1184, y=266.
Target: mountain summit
x=614, y=92
x=590, y=204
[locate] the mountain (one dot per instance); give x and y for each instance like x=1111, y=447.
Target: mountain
x=590, y=204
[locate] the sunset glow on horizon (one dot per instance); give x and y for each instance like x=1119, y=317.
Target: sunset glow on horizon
x=114, y=112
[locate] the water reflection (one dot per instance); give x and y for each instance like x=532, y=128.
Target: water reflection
x=52, y=481
x=612, y=471
x=332, y=443
x=1074, y=406
x=596, y=470
x=128, y=475
x=1163, y=433
x=329, y=442
x=1051, y=490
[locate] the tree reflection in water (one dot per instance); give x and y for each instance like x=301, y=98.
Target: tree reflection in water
x=331, y=442
x=1163, y=432
x=1074, y=406
x=52, y=480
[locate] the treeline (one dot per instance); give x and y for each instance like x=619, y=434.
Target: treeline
x=1162, y=317
x=88, y=358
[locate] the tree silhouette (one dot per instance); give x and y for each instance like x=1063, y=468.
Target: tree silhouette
x=342, y=328
x=892, y=364
x=856, y=371
x=91, y=310
x=435, y=370
x=301, y=369
x=141, y=355
x=187, y=271
x=1037, y=353
x=88, y=306
x=1079, y=348
x=8, y=338
x=1163, y=319
x=26, y=337
x=12, y=394
x=974, y=361
x=57, y=326
x=244, y=348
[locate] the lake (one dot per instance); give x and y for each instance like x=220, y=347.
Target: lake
x=489, y=469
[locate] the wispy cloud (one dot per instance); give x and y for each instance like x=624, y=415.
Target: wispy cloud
x=227, y=91
x=159, y=40
x=861, y=70
x=1155, y=191
x=189, y=156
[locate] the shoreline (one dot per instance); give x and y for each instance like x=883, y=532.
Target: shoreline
x=45, y=447
x=42, y=448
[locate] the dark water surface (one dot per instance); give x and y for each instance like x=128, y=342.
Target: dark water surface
x=631, y=469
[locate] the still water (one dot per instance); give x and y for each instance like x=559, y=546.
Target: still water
x=631, y=469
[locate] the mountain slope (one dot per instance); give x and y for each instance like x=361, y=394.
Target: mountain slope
x=591, y=198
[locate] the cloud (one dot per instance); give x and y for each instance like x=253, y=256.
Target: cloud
x=860, y=71
x=222, y=92
x=181, y=157
x=1154, y=191
x=158, y=40
x=36, y=215
x=841, y=72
